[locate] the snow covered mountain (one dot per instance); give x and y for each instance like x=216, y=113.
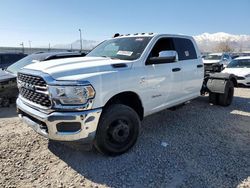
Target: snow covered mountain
x=209, y=42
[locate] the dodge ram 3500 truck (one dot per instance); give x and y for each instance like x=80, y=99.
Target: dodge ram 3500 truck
x=105, y=95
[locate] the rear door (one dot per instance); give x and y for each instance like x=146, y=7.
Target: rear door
x=192, y=67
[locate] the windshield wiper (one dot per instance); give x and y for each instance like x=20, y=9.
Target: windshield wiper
x=109, y=57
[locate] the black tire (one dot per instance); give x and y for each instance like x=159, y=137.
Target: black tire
x=226, y=98
x=117, y=131
x=213, y=98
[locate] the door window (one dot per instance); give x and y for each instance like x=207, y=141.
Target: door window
x=185, y=49
x=163, y=44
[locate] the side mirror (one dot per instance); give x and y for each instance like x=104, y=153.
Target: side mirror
x=169, y=56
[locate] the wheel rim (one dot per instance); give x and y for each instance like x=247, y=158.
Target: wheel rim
x=119, y=133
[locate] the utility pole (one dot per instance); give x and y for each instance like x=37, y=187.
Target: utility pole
x=30, y=45
x=80, y=38
x=22, y=46
x=49, y=47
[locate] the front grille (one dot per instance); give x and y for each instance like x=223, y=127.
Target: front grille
x=34, y=80
x=208, y=67
x=34, y=89
x=35, y=97
x=240, y=78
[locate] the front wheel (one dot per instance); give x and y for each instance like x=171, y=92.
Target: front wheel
x=117, y=130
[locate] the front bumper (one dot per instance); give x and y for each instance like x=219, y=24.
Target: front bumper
x=213, y=67
x=245, y=82
x=47, y=124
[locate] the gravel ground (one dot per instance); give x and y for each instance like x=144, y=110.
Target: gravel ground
x=198, y=145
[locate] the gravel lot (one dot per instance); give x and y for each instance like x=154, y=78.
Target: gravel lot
x=198, y=145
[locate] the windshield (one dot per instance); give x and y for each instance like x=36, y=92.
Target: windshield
x=240, y=63
x=129, y=48
x=14, y=68
x=213, y=57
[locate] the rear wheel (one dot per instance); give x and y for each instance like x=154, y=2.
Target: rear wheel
x=226, y=98
x=213, y=98
x=117, y=130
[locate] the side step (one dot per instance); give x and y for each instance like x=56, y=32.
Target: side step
x=178, y=106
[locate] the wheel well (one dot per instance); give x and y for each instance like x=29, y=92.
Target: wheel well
x=130, y=99
x=234, y=82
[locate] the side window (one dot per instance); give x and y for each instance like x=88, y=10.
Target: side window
x=163, y=44
x=185, y=49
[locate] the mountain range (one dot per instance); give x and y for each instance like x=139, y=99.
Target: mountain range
x=206, y=42
x=209, y=42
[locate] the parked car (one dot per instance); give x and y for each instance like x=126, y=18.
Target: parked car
x=104, y=96
x=215, y=62
x=241, y=68
x=8, y=86
x=7, y=59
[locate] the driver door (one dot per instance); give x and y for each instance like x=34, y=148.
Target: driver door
x=164, y=78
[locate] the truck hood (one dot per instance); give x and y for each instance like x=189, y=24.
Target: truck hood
x=210, y=61
x=237, y=71
x=80, y=67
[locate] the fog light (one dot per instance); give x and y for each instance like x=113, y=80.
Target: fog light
x=68, y=126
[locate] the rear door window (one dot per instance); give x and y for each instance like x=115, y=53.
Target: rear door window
x=185, y=49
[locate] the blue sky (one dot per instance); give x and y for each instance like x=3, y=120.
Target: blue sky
x=58, y=21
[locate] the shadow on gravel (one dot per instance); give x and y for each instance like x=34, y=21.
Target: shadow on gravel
x=205, y=146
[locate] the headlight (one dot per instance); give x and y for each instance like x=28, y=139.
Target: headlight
x=72, y=95
x=248, y=75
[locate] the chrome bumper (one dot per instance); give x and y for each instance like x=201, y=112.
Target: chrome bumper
x=88, y=120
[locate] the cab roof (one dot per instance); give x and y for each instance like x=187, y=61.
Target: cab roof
x=117, y=35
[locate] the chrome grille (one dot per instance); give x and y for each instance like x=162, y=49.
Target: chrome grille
x=34, y=89
x=34, y=80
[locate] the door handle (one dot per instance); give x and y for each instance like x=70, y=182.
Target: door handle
x=199, y=66
x=176, y=69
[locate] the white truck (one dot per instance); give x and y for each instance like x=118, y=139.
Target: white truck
x=104, y=96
